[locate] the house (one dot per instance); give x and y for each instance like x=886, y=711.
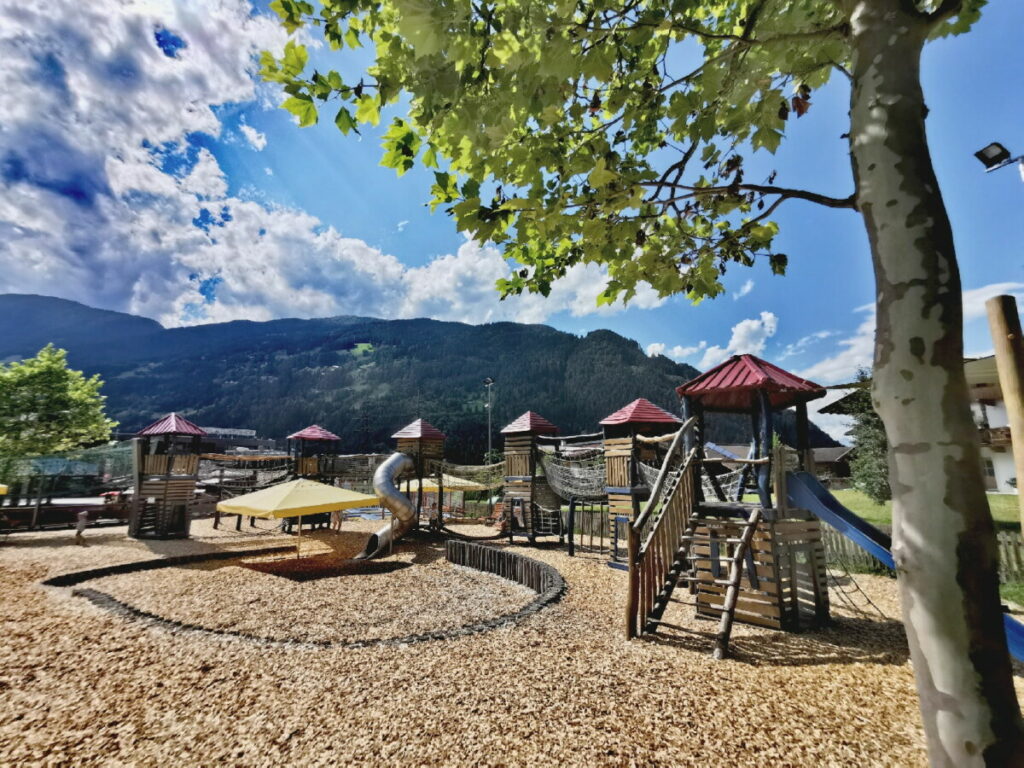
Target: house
x=992, y=420
x=989, y=414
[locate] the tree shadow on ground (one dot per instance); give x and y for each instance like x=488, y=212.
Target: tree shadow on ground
x=844, y=641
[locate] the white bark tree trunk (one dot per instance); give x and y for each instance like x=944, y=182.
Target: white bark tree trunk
x=943, y=536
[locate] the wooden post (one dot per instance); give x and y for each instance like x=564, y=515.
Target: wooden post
x=632, y=547
x=1004, y=325
x=803, y=440
x=39, y=500
x=779, y=470
x=698, y=442
x=732, y=592
x=765, y=440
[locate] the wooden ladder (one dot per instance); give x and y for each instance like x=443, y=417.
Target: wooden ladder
x=732, y=582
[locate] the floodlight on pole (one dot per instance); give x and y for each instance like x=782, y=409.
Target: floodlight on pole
x=995, y=156
x=488, y=383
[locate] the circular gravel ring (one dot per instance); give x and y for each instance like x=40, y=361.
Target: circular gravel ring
x=538, y=576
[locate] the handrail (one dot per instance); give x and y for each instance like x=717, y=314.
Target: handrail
x=687, y=463
x=659, y=438
x=641, y=519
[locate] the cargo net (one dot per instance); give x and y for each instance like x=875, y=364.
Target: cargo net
x=243, y=475
x=485, y=477
x=108, y=465
x=729, y=482
x=650, y=473
x=576, y=472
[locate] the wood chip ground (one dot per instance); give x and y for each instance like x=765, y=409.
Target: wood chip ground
x=82, y=686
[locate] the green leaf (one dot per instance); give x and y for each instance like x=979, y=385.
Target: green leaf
x=345, y=122
x=600, y=176
x=368, y=110
x=303, y=108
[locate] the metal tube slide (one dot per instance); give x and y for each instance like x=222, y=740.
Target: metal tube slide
x=402, y=511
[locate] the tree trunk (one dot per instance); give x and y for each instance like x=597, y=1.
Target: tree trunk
x=943, y=537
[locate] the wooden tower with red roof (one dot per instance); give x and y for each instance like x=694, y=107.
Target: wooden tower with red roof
x=425, y=444
x=621, y=450
x=524, y=489
x=166, y=468
x=308, y=446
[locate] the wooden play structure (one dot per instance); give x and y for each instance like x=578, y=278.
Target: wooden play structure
x=309, y=446
x=424, y=444
x=166, y=470
x=762, y=562
x=532, y=508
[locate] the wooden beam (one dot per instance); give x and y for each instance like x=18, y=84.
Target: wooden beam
x=1004, y=325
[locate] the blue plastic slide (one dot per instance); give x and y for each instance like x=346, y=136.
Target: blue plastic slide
x=804, y=491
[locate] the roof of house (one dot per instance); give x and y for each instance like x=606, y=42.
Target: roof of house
x=530, y=422
x=831, y=455
x=420, y=430
x=729, y=386
x=313, y=432
x=171, y=424
x=640, y=411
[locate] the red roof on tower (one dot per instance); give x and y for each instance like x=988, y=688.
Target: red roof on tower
x=640, y=411
x=171, y=424
x=531, y=422
x=420, y=430
x=313, y=432
x=729, y=386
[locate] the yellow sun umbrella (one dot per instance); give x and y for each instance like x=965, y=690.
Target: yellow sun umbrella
x=3, y=489
x=295, y=499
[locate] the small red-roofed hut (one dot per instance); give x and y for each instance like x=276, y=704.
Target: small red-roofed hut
x=525, y=489
x=748, y=384
x=425, y=444
x=166, y=469
x=308, y=445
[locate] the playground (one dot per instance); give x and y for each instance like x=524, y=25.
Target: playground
x=83, y=684
x=629, y=601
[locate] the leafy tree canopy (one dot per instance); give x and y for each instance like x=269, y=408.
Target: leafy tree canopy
x=45, y=407
x=609, y=131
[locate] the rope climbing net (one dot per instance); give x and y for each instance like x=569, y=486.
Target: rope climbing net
x=492, y=476
x=580, y=474
x=729, y=482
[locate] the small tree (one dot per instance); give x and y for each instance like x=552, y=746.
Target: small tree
x=46, y=407
x=869, y=466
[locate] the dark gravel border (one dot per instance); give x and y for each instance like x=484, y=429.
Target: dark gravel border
x=540, y=577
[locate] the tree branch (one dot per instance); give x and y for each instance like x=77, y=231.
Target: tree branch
x=762, y=189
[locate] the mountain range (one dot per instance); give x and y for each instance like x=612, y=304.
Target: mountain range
x=362, y=378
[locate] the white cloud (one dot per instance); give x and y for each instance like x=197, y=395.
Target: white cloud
x=105, y=200
x=974, y=299
x=854, y=352
x=402, y=225
x=804, y=342
x=748, y=337
x=256, y=139
x=746, y=288
x=678, y=352
x=268, y=171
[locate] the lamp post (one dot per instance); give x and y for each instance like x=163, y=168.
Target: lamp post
x=488, y=383
x=995, y=156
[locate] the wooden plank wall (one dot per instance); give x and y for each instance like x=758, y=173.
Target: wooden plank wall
x=618, y=453
x=789, y=560
x=164, y=464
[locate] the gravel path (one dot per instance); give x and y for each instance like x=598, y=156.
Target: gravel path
x=81, y=686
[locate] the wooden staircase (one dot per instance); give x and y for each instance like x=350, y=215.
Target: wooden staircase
x=665, y=549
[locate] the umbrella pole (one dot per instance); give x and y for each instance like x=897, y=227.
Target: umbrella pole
x=298, y=540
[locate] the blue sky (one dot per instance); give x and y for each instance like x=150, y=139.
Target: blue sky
x=143, y=169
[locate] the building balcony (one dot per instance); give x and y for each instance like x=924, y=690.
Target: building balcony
x=995, y=436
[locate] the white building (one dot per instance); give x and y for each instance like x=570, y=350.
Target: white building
x=990, y=416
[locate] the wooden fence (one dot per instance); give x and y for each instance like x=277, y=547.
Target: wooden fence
x=840, y=550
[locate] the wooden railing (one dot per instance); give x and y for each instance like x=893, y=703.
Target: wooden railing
x=654, y=538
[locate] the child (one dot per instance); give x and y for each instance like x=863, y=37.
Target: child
x=83, y=521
